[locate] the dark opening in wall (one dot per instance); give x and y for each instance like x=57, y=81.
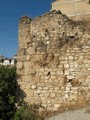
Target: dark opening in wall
x=48, y=73
x=24, y=52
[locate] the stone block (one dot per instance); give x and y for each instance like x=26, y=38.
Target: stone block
x=33, y=87
x=34, y=100
x=70, y=77
x=53, y=73
x=66, y=72
x=47, y=95
x=56, y=105
x=71, y=69
x=46, y=88
x=40, y=88
x=70, y=57
x=66, y=96
x=66, y=65
x=56, y=88
x=68, y=88
x=48, y=101
x=41, y=70
x=59, y=72
x=31, y=50
x=20, y=65
x=52, y=95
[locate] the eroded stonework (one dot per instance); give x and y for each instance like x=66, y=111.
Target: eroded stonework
x=53, y=61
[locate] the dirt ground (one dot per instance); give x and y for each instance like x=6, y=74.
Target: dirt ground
x=72, y=115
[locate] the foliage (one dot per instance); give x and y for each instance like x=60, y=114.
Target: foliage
x=1, y=60
x=28, y=112
x=8, y=110
x=7, y=92
x=15, y=61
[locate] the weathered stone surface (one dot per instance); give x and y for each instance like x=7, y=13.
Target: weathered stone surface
x=53, y=60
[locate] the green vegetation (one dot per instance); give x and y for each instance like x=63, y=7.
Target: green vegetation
x=7, y=92
x=8, y=111
x=1, y=60
x=28, y=112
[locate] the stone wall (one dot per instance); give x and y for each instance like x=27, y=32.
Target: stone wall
x=53, y=61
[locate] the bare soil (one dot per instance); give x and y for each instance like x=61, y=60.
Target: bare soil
x=82, y=114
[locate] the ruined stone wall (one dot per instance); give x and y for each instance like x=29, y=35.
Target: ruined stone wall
x=53, y=61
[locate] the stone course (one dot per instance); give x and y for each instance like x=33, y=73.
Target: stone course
x=53, y=61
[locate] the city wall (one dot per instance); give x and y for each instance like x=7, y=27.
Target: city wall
x=53, y=61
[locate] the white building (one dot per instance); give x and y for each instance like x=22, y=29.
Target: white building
x=6, y=62
x=12, y=62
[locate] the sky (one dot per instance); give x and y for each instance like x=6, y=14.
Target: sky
x=10, y=13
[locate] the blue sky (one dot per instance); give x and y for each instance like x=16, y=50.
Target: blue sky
x=10, y=13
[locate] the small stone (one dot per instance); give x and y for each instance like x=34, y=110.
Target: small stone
x=59, y=72
x=33, y=86
x=70, y=57
x=48, y=101
x=68, y=88
x=66, y=65
x=57, y=105
x=66, y=72
x=66, y=96
x=70, y=77
x=47, y=94
x=56, y=88
x=52, y=95
x=31, y=50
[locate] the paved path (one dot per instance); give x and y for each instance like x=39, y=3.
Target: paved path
x=72, y=115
